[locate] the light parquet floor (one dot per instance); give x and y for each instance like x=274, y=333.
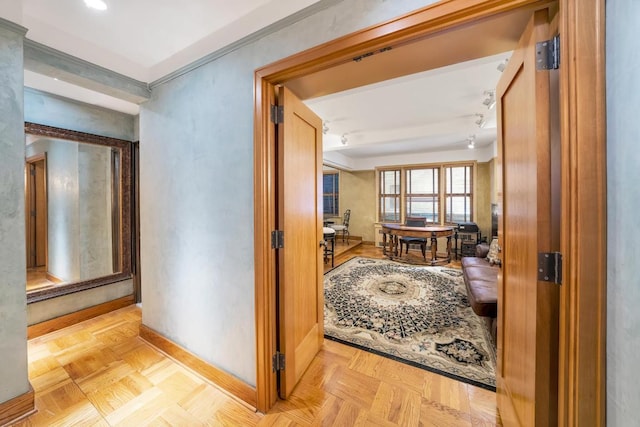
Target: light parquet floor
x=100, y=373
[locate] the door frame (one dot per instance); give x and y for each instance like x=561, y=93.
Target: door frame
x=582, y=379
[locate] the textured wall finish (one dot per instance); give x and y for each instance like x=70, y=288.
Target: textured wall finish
x=55, y=307
x=196, y=147
x=94, y=211
x=483, y=199
x=52, y=110
x=358, y=193
x=13, y=315
x=623, y=204
x=63, y=216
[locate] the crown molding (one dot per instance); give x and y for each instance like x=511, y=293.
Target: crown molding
x=12, y=26
x=52, y=62
x=276, y=26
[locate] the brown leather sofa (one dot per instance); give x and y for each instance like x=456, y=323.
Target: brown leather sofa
x=481, y=280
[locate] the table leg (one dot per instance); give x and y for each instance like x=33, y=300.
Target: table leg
x=384, y=243
x=434, y=249
x=448, y=249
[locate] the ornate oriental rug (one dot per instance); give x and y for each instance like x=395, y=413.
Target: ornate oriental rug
x=415, y=314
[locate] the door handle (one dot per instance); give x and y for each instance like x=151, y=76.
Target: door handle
x=323, y=243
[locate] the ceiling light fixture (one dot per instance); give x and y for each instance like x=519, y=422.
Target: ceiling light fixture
x=472, y=141
x=481, y=122
x=343, y=139
x=96, y=4
x=490, y=100
x=325, y=127
x=503, y=65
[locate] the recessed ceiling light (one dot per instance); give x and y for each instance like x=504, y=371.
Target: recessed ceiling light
x=96, y=4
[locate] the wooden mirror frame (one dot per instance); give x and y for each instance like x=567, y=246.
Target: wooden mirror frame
x=124, y=248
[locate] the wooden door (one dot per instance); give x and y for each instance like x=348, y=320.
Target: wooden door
x=300, y=218
x=528, y=308
x=36, y=212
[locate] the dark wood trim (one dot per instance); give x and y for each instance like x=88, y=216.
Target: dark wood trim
x=582, y=93
x=582, y=356
x=224, y=380
x=47, y=326
x=135, y=220
x=19, y=407
x=124, y=148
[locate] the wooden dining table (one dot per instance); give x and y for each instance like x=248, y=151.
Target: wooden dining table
x=391, y=234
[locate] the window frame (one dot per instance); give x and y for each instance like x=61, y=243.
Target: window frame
x=335, y=194
x=442, y=214
x=382, y=196
x=450, y=195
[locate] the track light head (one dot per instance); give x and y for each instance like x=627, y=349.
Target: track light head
x=481, y=122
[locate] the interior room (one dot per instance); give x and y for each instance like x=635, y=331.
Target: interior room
x=162, y=257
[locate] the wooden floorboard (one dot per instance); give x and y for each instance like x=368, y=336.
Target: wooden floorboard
x=101, y=373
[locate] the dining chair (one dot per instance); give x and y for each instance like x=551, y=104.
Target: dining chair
x=344, y=227
x=404, y=240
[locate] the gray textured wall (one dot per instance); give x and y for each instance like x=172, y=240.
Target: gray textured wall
x=94, y=211
x=62, y=210
x=53, y=110
x=13, y=317
x=623, y=204
x=196, y=138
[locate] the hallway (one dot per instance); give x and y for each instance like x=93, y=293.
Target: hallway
x=100, y=372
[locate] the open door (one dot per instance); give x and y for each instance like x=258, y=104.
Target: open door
x=300, y=281
x=527, y=374
x=36, y=211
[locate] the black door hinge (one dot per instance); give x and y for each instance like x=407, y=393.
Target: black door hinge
x=550, y=267
x=548, y=54
x=278, y=362
x=277, y=114
x=277, y=239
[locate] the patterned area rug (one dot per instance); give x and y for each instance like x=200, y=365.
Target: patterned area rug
x=418, y=315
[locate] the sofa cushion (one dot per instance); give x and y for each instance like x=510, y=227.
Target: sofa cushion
x=481, y=280
x=483, y=297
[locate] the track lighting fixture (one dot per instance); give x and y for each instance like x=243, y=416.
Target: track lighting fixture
x=325, y=127
x=343, y=139
x=481, y=122
x=471, y=141
x=503, y=65
x=490, y=100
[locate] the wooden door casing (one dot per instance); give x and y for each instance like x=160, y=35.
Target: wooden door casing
x=300, y=289
x=583, y=129
x=528, y=309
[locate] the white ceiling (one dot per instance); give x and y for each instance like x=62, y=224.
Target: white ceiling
x=430, y=111
x=148, y=39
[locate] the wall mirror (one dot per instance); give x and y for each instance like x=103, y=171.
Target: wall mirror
x=77, y=211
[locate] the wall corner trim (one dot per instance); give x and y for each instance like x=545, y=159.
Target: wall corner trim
x=226, y=382
x=17, y=408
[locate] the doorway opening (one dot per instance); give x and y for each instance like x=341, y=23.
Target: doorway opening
x=439, y=22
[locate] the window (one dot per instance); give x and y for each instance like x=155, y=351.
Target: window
x=441, y=193
x=389, y=196
x=422, y=195
x=330, y=194
x=458, y=194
